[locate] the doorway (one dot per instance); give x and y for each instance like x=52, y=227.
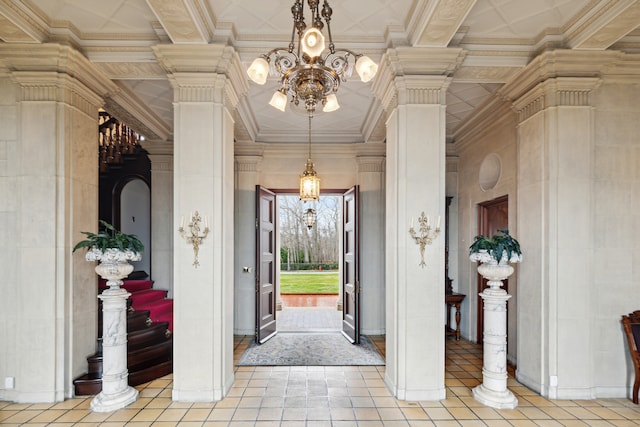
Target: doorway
x=492, y=216
x=308, y=278
x=270, y=255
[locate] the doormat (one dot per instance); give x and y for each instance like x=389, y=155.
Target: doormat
x=298, y=349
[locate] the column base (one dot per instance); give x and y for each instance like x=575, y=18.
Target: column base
x=111, y=402
x=495, y=399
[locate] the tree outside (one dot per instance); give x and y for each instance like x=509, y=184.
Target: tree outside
x=302, y=248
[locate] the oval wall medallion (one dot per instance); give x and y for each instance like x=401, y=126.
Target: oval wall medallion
x=490, y=171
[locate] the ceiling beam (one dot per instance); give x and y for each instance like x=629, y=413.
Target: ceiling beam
x=604, y=25
x=182, y=20
x=438, y=22
x=17, y=27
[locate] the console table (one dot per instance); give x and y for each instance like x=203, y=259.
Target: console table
x=453, y=299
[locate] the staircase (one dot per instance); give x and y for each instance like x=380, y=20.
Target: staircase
x=149, y=338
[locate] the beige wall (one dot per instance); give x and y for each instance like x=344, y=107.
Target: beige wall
x=493, y=133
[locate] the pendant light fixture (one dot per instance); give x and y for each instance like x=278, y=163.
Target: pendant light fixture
x=309, y=181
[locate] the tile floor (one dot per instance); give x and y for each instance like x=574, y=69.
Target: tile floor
x=331, y=396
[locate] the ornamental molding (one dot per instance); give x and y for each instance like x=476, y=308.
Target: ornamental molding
x=370, y=164
x=559, y=63
x=485, y=74
x=132, y=70
x=415, y=75
x=247, y=163
x=561, y=91
x=56, y=87
x=192, y=69
x=55, y=58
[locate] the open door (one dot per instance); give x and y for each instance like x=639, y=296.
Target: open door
x=492, y=216
x=351, y=265
x=265, y=264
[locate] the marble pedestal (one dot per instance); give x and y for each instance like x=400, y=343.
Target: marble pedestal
x=493, y=391
x=116, y=392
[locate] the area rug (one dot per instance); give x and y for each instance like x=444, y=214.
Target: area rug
x=319, y=349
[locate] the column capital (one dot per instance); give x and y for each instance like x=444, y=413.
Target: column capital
x=47, y=58
x=555, y=92
x=370, y=164
x=409, y=75
x=198, y=73
x=160, y=155
x=566, y=78
x=247, y=163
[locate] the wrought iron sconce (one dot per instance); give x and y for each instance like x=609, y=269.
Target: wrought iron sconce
x=195, y=238
x=426, y=236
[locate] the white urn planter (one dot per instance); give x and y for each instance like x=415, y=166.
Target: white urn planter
x=493, y=391
x=116, y=392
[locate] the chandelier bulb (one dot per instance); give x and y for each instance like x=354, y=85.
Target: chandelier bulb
x=331, y=103
x=312, y=42
x=259, y=70
x=366, y=68
x=279, y=100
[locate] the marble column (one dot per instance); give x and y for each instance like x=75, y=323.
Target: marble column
x=411, y=85
x=207, y=82
x=161, y=157
x=48, y=146
x=557, y=201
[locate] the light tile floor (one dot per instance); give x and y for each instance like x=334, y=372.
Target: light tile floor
x=332, y=396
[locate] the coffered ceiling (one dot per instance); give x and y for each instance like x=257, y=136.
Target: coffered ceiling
x=498, y=36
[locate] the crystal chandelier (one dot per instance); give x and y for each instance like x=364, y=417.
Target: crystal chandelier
x=306, y=72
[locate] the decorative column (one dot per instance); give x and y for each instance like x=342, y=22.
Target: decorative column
x=48, y=147
x=161, y=156
x=208, y=82
x=411, y=85
x=493, y=390
x=564, y=204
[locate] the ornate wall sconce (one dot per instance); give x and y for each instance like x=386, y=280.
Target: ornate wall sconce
x=426, y=236
x=195, y=237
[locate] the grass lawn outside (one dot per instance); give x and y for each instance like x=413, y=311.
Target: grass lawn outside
x=319, y=282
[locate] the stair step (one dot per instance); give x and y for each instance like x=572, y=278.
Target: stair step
x=140, y=298
x=157, y=308
x=165, y=317
x=154, y=334
x=152, y=373
x=148, y=356
x=88, y=384
x=135, y=285
x=137, y=320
